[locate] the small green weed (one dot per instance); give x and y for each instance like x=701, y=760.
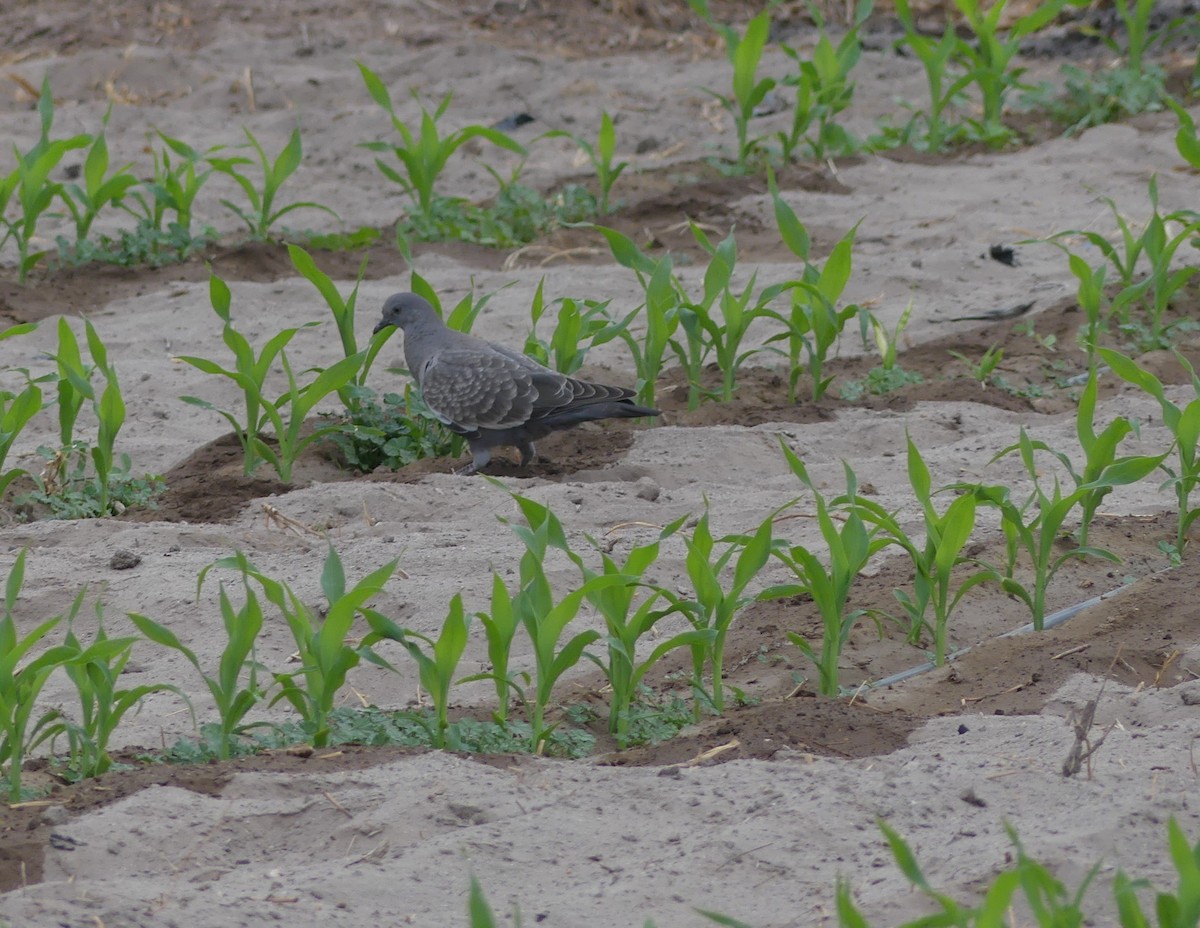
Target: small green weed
x=142, y=245
x=68, y=491
x=381, y=432
x=879, y=381
x=517, y=216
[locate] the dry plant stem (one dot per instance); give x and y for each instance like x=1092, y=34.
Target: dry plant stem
x=1083, y=748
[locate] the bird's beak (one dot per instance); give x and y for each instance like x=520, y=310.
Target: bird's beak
x=380, y=326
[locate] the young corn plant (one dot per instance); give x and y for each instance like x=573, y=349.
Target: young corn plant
x=1099, y=303
x=1102, y=469
x=714, y=606
x=814, y=323
x=32, y=187
x=260, y=212
x=936, y=561
x=705, y=333
x=990, y=59
x=982, y=369
x=1035, y=527
x=21, y=683
x=325, y=656
x=888, y=375
x=289, y=414
x=96, y=671
x=661, y=311
x=172, y=192
x=97, y=189
x=65, y=484
x=250, y=373
x=500, y=624
x=1179, y=908
x=748, y=90
x=544, y=620
x=823, y=89
x=601, y=156
x=342, y=309
x=1187, y=141
x=1183, y=423
x=578, y=328
x=437, y=661
x=16, y=412
x=946, y=83
x=1157, y=246
x=851, y=548
x=423, y=154
x=233, y=697
x=630, y=609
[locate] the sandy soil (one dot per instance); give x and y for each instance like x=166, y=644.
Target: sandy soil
x=761, y=831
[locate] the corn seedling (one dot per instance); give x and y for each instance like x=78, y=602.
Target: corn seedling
x=30, y=183
x=982, y=369
x=705, y=332
x=16, y=411
x=260, y=213
x=423, y=154
x=290, y=434
x=748, y=90
x=1036, y=526
x=1186, y=139
x=661, y=310
x=989, y=59
x=544, y=620
x=601, y=156
x=173, y=190
x=437, y=661
x=250, y=373
x=1160, y=246
x=714, y=606
x=1157, y=245
x=98, y=188
x=96, y=671
x=342, y=309
x=325, y=657
x=1173, y=909
x=1102, y=468
x=1183, y=423
x=936, y=560
x=20, y=685
x=851, y=548
x=110, y=411
x=823, y=90
x=938, y=58
x=814, y=324
x=500, y=625
x=66, y=474
x=625, y=623
x=1095, y=302
x=578, y=328
x=232, y=697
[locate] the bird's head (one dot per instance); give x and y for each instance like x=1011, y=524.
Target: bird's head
x=405, y=309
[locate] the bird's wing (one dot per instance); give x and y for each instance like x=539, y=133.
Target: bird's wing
x=469, y=389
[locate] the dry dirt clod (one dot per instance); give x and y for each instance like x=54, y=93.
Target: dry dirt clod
x=124, y=560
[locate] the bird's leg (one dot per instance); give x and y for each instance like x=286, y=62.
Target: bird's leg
x=479, y=459
x=528, y=452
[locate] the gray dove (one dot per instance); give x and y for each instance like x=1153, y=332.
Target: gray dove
x=492, y=395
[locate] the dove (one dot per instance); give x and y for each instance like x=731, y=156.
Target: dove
x=491, y=395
